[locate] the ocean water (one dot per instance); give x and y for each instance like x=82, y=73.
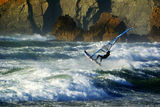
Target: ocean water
x=38, y=70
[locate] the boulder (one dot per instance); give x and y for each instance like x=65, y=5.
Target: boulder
x=93, y=35
x=66, y=29
x=106, y=28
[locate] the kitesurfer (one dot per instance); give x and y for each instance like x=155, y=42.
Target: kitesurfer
x=103, y=56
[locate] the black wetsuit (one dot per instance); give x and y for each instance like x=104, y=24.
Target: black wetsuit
x=103, y=56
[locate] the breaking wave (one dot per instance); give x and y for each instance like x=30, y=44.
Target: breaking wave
x=33, y=68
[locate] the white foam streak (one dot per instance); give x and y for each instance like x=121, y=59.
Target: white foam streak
x=117, y=79
x=34, y=37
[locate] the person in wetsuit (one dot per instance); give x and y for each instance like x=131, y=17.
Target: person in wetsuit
x=103, y=56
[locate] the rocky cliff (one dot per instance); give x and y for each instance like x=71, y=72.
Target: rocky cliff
x=40, y=16
x=154, y=27
x=106, y=28
x=3, y=1
x=134, y=13
x=22, y=16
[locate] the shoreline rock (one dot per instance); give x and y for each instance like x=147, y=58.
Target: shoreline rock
x=39, y=16
x=106, y=27
x=66, y=29
x=154, y=34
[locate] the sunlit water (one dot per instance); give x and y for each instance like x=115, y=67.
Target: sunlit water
x=35, y=68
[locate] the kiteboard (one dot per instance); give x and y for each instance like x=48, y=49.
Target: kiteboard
x=105, y=47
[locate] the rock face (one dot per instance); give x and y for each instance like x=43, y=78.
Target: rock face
x=106, y=28
x=155, y=24
x=51, y=15
x=66, y=29
x=22, y=16
x=39, y=16
x=82, y=11
x=134, y=13
x=14, y=18
x=36, y=10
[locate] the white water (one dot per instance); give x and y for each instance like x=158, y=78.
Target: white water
x=66, y=74
x=21, y=37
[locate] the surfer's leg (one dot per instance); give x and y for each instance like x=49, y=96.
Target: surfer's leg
x=101, y=59
x=97, y=57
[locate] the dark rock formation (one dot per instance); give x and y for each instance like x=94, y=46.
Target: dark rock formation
x=106, y=28
x=51, y=15
x=85, y=13
x=39, y=16
x=66, y=29
x=155, y=24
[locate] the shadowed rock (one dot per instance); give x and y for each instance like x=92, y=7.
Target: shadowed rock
x=66, y=29
x=106, y=28
x=51, y=15
x=155, y=24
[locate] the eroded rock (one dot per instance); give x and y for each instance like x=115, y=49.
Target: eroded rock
x=155, y=24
